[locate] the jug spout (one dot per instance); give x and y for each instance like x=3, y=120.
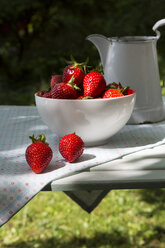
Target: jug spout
x=102, y=43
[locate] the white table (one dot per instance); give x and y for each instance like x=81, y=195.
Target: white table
x=142, y=169
x=135, y=171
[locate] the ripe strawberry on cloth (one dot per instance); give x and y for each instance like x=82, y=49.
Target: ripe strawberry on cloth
x=38, y=154
x=71, y=147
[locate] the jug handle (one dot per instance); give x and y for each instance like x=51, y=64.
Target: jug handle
x=157, y=25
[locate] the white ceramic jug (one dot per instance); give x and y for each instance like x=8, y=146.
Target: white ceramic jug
x=132, y=61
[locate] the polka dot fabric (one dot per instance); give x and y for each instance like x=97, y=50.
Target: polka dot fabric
x=19, y=184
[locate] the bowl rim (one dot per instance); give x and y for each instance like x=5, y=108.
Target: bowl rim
x=87, y=100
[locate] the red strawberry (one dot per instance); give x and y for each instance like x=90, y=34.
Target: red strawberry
x=112, y=93
x=56, y=79
x=40, y=93
x=71, y=147
x=38, y=154
x=65, y=90
x=84, y=97
x=119, y=87
x=75, y=69
x=47, y=94
x=114, y=85
x=130, y=91
x=94, y=84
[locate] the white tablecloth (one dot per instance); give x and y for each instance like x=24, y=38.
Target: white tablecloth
x=19, y=184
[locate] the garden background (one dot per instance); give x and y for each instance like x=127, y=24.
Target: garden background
x=36, y=39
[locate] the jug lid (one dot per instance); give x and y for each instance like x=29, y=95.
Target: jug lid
x=133, y=39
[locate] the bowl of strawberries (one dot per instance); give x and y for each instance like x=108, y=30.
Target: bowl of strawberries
x=84, y=103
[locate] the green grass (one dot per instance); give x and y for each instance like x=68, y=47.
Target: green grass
x=125, y=218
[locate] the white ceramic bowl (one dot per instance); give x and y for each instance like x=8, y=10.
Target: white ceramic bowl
x=94, y=120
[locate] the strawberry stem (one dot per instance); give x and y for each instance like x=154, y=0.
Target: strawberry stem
x=86, y=97
x=124, y=91
x=83, y=66
x=39, y=138
x=113, y=87
x=71, y=82
x=99, y=69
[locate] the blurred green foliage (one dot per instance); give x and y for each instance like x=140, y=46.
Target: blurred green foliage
x=37, y=37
